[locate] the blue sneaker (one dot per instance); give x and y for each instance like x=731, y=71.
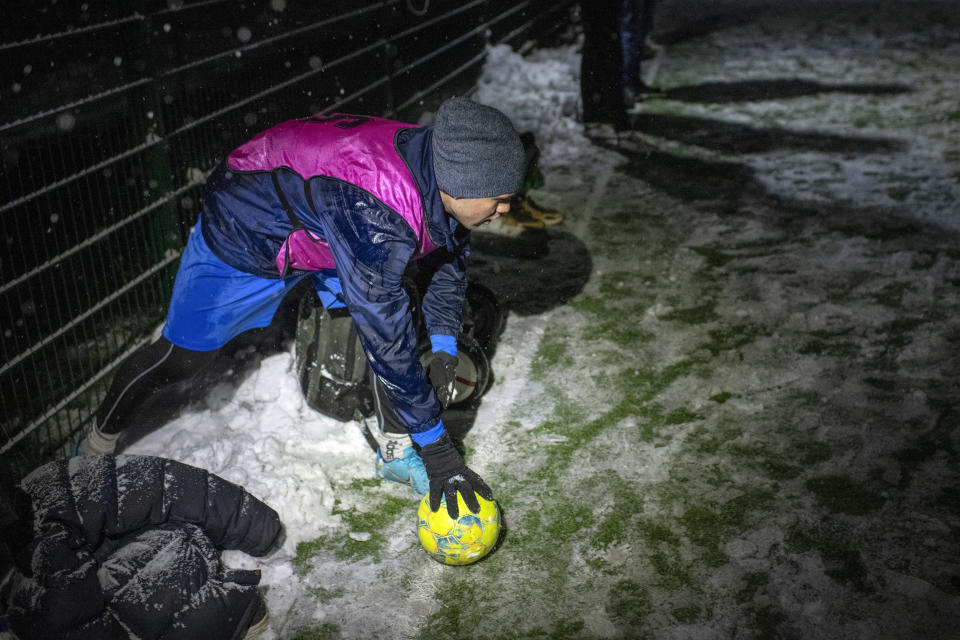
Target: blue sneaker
x=406, y=469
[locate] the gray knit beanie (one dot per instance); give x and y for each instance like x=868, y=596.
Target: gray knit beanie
x=476, y=151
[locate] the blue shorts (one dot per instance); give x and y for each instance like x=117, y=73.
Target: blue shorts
x=213, y=303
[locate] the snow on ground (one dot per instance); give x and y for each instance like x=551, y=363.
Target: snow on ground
x=725, y=400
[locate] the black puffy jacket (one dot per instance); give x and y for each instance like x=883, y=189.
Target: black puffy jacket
x=129, y=546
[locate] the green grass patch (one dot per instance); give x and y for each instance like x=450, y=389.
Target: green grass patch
x=840, y=494
x=871, y=120
x=565, y=420
x=623, y=329
x=593, y=305
x=766, y=621
x=567, y=524
x=536, y=527
x=704, y=440
x=753, y=582
x=821, y=346
x=628, y=603
x=899, y=193
x=326, y=631
x=717, y=256
x=626, y=505
x=686, y=615
x=384, y=511
x=732, y=337
x=710, y=525
x=923, y=260
x=939, y=439
x=359, y=484
x=635, y=391
x=326, y=595
x=883, y=384
x=618, y=324
x=541, y=543
x=713, y=256
x=891, y=295
x=655, y=534
x=771, y=464
x=700, y=314
x=617, y=285
x=899, y=332
x=638, y=220
x=812, y=453
x=673, y=572
x=551, y=350
x=882, y=231
x=458, y=616
x=839, y=551
x=681, y=416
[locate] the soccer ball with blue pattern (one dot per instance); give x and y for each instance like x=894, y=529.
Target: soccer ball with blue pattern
x=462, y=540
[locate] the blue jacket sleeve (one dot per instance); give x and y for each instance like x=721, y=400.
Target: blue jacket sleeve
x=443, y=300
x=372, y=246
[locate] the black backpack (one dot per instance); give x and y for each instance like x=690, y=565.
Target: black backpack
x=332, y=367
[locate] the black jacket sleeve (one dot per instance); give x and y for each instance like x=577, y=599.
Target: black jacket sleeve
x=111, y=496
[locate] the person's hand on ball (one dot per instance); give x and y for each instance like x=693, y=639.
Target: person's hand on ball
x=448, y=474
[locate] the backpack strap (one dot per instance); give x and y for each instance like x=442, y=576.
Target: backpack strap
x=291, y=216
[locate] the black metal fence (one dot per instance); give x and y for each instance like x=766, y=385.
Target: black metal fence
x=111, y=114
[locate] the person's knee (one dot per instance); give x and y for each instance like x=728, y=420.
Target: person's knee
x=183, y=364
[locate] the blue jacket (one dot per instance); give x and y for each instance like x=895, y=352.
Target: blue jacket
x=373, y=208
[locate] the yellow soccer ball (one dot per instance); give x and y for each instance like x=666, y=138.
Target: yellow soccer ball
x=460, y=541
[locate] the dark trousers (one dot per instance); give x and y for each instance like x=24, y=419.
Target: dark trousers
x=601, y=66
x=142, y=378
x=636, y=21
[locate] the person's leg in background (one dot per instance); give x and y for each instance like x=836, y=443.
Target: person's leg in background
x=647, y=8
x=636, y=22
x=631, y=48
x=646, y=47
x=600, y=70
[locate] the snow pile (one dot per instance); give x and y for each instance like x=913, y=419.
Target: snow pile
x=539, y=93
x=262, y=436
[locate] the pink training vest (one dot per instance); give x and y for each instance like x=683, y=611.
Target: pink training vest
x=357, y=149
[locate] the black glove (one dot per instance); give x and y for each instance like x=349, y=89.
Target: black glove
x=443, y=376
x=448, y=473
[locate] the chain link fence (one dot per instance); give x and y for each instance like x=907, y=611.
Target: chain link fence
x=111, y=115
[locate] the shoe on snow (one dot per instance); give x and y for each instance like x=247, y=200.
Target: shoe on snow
x=407, y=468
x=259, y=623
x=533, y=212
